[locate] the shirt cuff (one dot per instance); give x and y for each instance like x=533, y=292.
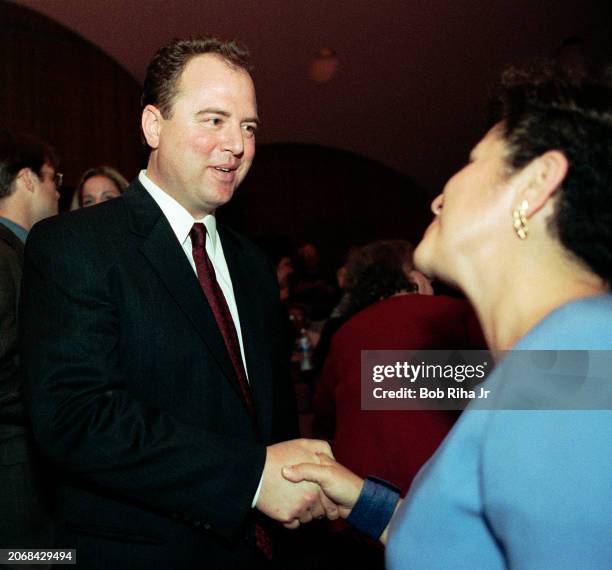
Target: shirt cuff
x=374, y=507
x=257, y=492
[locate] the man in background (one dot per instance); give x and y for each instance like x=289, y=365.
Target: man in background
x=28, y=193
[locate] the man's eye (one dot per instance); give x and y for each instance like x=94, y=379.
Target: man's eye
x=249, y=129
x=214, y=121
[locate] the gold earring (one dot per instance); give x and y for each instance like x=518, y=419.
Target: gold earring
x=520, y=220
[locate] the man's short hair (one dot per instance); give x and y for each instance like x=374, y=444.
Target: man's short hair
x=18, y=151
x=164, y=71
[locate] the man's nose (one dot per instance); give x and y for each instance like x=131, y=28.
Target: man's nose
x=233, y=140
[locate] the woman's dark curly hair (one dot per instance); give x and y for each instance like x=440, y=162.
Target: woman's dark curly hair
x=539, y=109
x=376, y=271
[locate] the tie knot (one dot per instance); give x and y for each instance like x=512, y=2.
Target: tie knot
x=198, y=235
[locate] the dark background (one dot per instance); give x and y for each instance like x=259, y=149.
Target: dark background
x=346, y=161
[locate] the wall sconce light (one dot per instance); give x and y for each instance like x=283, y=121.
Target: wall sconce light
x=323, y=65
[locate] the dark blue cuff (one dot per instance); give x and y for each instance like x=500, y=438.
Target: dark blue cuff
x=374, y=507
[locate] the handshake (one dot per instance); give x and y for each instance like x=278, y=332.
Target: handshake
x=301, y=481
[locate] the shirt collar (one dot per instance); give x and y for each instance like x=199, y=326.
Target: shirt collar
x=18, y=230
x=181, y=221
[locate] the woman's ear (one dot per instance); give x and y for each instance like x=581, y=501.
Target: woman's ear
x=545, y=176
x=422, y=283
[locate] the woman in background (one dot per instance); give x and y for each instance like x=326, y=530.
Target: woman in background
x=525, y=229
x=98, y=185
x=389, y=306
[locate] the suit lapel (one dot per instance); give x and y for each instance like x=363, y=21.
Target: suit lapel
x=255, y=337
x=165, y=254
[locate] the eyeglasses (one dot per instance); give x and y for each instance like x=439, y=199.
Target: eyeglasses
x=58, y=177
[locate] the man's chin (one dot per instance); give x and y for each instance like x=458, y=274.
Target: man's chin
x=223, y=196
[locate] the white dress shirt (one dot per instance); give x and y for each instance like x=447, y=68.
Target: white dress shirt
x=181, y=222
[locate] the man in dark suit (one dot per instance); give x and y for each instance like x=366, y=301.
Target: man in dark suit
x=28, y=193
x=153, y=344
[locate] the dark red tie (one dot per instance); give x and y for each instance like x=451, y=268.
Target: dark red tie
x=218, y=304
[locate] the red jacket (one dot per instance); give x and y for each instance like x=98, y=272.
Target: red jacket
x=390, y=444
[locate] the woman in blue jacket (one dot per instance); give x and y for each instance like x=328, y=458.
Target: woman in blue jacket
x=525, y=229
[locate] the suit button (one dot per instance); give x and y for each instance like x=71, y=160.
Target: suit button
x=197, y=523
x=207, y=526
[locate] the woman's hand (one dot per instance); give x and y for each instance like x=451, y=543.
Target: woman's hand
x=337, y=482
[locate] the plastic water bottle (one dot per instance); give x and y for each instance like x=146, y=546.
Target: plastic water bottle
x=305, y=350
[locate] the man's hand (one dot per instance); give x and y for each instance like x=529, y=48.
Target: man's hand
x=337, y=482
x=292, y=503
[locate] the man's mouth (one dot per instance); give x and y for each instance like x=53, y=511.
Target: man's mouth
x=227, y=167
x=226, y=173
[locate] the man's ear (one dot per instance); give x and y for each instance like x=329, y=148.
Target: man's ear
x=28, y=179
x=545, y=174
x=151, y=124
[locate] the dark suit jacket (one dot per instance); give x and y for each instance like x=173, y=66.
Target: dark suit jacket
x=11, y=263
x=133, y=395
x=24, y=522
